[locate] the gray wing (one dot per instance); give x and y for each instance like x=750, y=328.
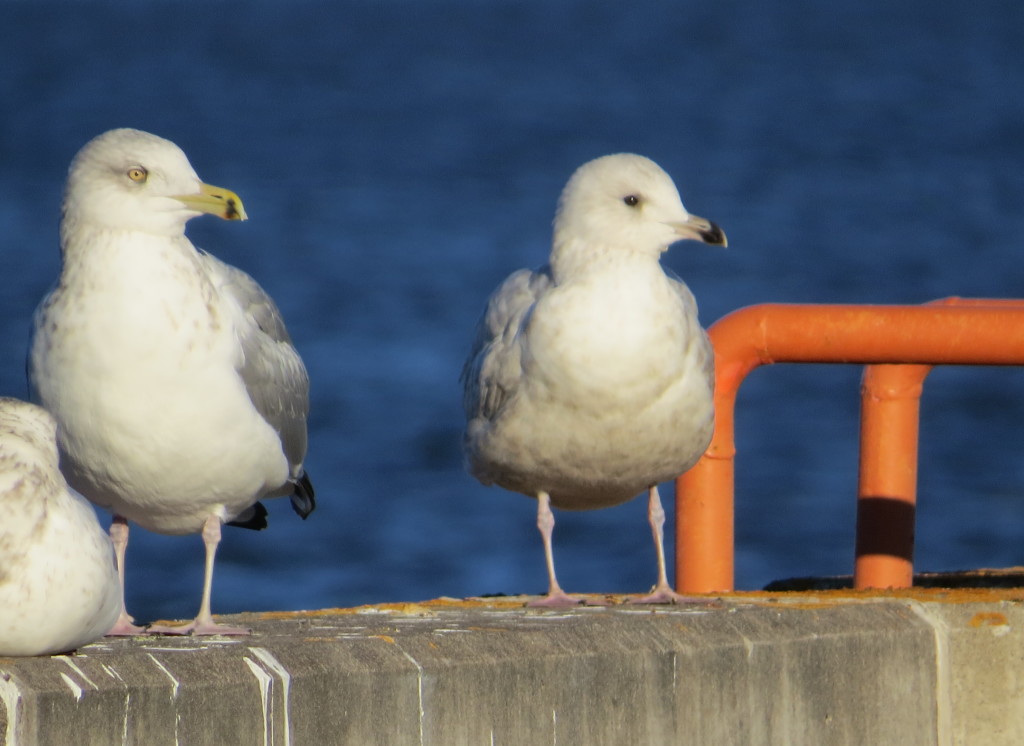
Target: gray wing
x=492, y=371
x=272, y=370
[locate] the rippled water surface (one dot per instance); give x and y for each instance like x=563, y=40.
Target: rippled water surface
x=398, y=159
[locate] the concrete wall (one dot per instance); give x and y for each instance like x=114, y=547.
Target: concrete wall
x=789, y=669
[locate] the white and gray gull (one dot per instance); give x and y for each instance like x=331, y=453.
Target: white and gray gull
x=179, y=399
x=590, y=379
x=58, y=584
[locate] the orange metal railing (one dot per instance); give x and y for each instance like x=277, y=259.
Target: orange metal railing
x=899, y=344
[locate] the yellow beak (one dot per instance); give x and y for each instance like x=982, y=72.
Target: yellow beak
x=215, y=201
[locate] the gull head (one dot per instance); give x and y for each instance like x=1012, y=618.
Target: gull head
x=628, y=202
x=130, y=180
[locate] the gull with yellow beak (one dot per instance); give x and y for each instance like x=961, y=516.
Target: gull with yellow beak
x=590, y=379
x=179, y=399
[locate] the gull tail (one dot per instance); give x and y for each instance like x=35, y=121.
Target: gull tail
x=254, y=518
x=304, y=497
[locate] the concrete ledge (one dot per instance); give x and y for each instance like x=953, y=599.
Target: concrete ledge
x=822, y=668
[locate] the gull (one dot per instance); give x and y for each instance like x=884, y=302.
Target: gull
x=179, y=399
x=58, y=583
x=590, y=379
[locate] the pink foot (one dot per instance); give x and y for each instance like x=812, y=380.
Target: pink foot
x=561, y=600
x=556, y=601
x=124, y=627
x=662, y=592
x=203, y=624
x=556, y=597
x=196, y=628
x=665, y=595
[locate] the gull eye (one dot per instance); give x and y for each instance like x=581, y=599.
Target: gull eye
x=631, y=199
x=138, y=174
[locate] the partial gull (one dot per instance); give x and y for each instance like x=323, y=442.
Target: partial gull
x=179, y=399
x=58, y=583
x=591, y=379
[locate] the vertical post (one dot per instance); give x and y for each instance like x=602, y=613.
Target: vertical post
x=887, y=485
x=704, y=501
x=704, y=527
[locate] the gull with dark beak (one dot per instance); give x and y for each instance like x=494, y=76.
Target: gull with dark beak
x=590, y=379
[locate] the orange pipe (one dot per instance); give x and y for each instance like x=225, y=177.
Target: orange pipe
x=977, y=332
x=887, y=483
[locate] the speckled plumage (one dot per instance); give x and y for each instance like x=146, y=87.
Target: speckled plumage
x=591, y=379
x=58, y=583
x=179, y=398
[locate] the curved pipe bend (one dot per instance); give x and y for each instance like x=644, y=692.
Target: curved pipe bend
x=945, y=332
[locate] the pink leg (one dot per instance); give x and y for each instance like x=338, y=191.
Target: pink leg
x=546, y=523
x=662, y=593
x=203, y=624
x=119, y=536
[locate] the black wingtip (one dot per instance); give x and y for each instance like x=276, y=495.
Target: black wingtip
x=304, y=497
x=254, y=518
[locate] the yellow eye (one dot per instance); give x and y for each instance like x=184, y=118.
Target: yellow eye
x=137, y=174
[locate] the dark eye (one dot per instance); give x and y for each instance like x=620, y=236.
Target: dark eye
x=631, y=199
x=137, y=174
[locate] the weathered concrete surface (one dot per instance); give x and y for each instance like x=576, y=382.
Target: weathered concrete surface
x=981, y=664
x=815, y=668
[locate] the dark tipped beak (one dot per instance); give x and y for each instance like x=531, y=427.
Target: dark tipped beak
x=713, y=235
x=701, y=229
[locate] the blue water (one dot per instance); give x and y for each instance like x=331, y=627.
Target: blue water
x=398, y=159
